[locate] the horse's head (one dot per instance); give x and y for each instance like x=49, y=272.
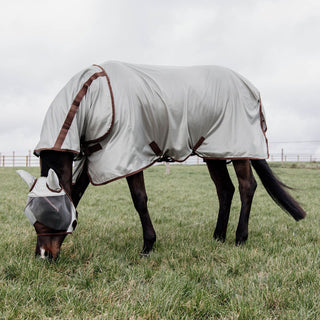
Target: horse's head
x=51, y=212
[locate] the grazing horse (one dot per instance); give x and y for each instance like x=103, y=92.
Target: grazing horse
x=116, y=119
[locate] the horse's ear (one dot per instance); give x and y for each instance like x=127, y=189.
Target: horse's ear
x=27, y=177
x=53, y=181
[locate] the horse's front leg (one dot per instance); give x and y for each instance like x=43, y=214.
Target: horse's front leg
x=139, y=197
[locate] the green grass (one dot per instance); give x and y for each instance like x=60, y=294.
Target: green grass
x=100, y=274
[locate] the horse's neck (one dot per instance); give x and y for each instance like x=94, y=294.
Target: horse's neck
x=61, y=163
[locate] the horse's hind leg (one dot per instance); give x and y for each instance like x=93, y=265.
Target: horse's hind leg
x=225, y=190
x=247, y=187
x=139, y=197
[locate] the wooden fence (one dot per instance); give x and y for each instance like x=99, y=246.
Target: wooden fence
x=14, y=160
x=281, y=157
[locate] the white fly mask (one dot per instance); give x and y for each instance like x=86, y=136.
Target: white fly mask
x=48, y=203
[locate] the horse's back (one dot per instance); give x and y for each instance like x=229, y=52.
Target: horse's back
x=178, y=106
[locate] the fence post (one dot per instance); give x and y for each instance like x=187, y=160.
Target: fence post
x=167, y=168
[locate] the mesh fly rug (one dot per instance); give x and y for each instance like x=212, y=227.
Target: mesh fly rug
x=121, y=118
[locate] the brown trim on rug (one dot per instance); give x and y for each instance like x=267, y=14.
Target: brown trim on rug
x=112, y=105
x=263, y=120
x=53, y=149
x=73, y=110
x=75, y=106
x=231, y=158
x=117, y=178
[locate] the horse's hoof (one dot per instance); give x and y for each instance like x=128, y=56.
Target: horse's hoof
x=241, y=242
x=220, y=238
x=241, y=237
x=144, y=254
x=147, y=246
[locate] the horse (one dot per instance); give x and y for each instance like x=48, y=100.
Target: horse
x=116, y=119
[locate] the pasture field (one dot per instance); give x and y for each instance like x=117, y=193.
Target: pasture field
x=100, y=274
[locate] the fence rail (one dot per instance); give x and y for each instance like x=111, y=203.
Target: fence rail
x=294, y=157
x=14, y=160
x=30, y=160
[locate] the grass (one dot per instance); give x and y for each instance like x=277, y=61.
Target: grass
x=100, y=274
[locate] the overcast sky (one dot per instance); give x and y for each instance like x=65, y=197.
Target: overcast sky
x=274, y=44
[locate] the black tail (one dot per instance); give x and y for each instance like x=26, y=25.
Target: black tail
x=276, y=189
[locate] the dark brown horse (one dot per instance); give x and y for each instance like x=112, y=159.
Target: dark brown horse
x=118, y=118
x=49, y=241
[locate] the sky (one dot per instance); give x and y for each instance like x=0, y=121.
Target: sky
x=274, y=44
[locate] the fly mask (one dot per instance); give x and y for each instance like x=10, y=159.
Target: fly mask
x=48, y=203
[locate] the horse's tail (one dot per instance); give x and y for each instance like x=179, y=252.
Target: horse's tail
x=276, y=189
